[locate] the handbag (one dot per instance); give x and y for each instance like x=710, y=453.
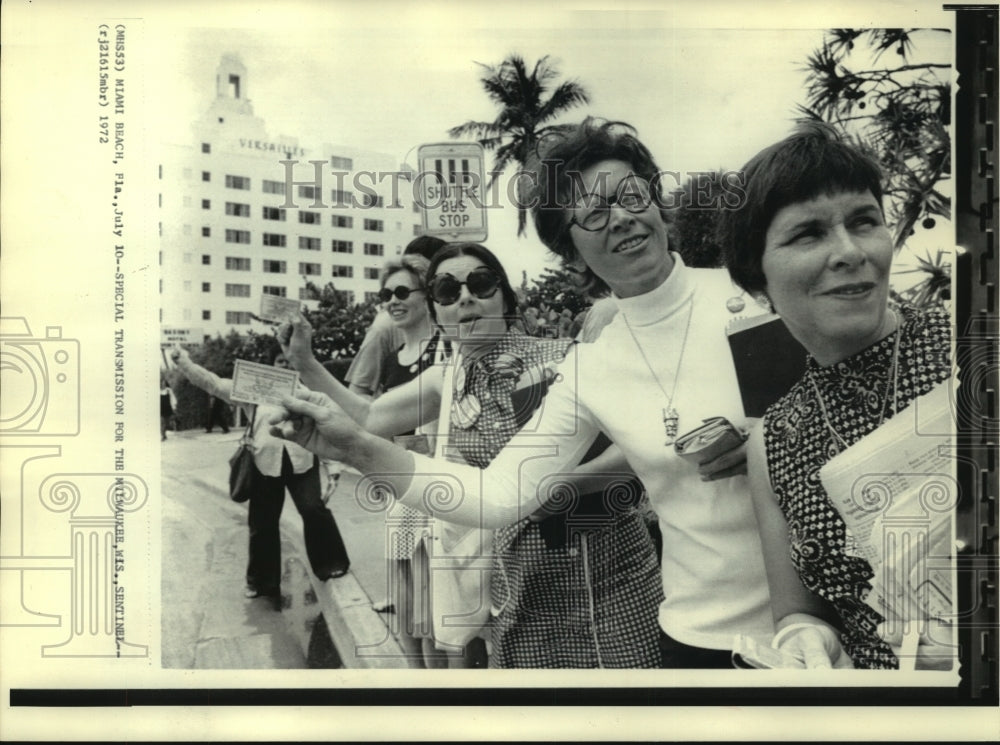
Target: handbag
x=242, y=470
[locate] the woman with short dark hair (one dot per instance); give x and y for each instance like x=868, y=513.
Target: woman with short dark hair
x=811, y=239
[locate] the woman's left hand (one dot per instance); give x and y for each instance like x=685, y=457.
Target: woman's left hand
x=733, y=462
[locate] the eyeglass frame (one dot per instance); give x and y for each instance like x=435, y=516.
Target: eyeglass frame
x=395, y=292
x=480, y=270
x=630, y=180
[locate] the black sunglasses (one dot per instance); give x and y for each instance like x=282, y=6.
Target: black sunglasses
x=482, y=283
x=401, y=293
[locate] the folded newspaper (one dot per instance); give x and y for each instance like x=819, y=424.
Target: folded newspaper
x=896, y=491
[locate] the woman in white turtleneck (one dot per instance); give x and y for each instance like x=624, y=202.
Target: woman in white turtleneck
x=660, y=368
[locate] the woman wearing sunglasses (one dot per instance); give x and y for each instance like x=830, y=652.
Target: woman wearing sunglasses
x=403, y=298
x=577, y=588
x=660, y=368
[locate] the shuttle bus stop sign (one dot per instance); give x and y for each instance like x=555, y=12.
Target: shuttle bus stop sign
x=451, y=191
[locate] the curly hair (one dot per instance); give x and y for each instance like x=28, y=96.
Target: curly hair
x=414, y=264
x=563, y=156
x=812, y=161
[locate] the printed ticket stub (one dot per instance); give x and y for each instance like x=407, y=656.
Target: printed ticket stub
x=274, y=308
x=262, y=384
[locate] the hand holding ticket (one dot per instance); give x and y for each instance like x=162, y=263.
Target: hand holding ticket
x=275, y=308
x=262, y=384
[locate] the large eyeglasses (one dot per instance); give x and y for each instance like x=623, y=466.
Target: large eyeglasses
x=482, y=282
x=592, y=211
x=401, y=293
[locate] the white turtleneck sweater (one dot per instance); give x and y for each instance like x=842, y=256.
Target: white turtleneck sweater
x=713, y=570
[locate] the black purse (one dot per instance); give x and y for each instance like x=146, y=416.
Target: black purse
x=242, y=470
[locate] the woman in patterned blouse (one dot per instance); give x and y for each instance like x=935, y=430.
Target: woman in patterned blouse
x=811, y=238
x=573, y=586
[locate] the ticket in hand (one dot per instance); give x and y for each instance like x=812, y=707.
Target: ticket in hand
x=262, y=384
x=274, y=308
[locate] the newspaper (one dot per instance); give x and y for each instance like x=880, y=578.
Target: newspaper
x=896, y=491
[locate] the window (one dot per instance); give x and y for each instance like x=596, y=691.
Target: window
x=375, y=225
x=186, y=200
x=374, y=249
x=307, y=192
x=341, y=198
x=187, y=285
x=309, y=269
x=274, y=213
x=371, y=272
x=309, y=218
x=187, y=257
x=206, y=204
x=342, y=163
x=159, y=170
x=206, y=148
x=238, y=209
x=186, y=172
x=237, y=290
x=237, y=236
x=206, y=259
x=343, y=221
x=306, y=294
x=206, y=176
x=206, y=231
x=348, y=296
x=372, y=200
x=339, y=270
x=238, y=317
x=416, y=206
x=237, y=182
x=238, y=264
x=274, y=290
x=418, y=229
x=343, y=247
x=186, y=229
x=273, y=187
x=311, y=244
x=206, y=286
x=371, y=297
x=206, y=315
x=274, y=267
x=274, y=239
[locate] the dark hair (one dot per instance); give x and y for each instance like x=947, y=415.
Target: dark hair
x=478, y=251
x=413, y=264
x=424, y=245
x=812, y=161
x=564, y=155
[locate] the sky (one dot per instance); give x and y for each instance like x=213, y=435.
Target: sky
x=704, y=90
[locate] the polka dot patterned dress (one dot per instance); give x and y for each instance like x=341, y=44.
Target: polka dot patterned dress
x=798, y=442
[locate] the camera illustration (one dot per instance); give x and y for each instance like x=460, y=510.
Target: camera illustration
x=39, y=379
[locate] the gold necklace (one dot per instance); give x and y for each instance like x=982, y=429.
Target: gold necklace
x=671, y=419
x=891, y=379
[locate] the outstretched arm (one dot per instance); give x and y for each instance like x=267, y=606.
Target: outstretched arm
x=199, y=376
x=400, y=410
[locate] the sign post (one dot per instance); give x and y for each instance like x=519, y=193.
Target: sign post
x=451, y=191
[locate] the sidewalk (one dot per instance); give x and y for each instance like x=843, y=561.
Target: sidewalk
x=207, y=623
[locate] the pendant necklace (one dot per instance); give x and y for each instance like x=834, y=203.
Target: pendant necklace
x=671, y=419
x=891, y=379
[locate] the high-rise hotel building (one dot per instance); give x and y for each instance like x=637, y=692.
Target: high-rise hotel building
x=235, y=222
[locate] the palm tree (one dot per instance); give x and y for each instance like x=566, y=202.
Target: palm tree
x=524, y=111
x=898, y=108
